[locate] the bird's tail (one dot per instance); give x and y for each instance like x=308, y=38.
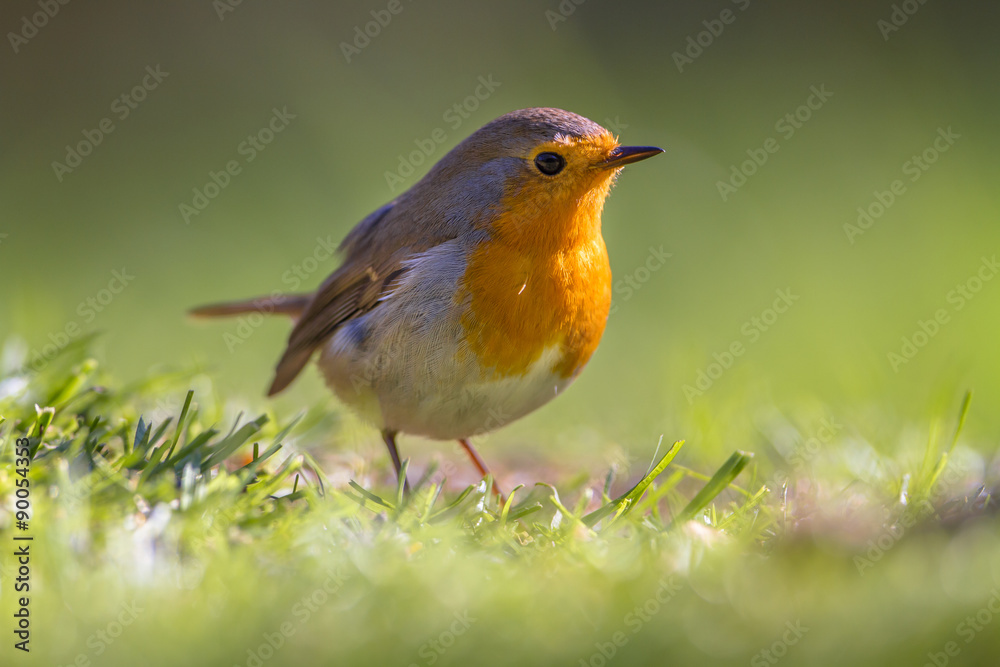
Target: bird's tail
x=292, y=305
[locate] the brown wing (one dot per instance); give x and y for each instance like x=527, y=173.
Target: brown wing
x=351, y=291
x=370, y=266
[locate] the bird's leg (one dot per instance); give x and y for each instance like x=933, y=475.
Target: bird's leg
x=390, y=442
x=477, y=461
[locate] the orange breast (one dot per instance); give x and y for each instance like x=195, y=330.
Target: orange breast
x=542, y=279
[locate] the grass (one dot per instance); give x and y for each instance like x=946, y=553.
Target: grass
x=184, y=540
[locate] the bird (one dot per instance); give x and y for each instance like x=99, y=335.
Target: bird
x=474, y=297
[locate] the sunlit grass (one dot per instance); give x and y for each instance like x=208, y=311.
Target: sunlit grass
x=161, y=538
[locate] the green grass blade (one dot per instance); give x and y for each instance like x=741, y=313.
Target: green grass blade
x=401, y=483
x=151, y=465
x=366, y=494
x=231, y=443
x=524, y=511
x=283, y=433
x=158, y=433
x=962, y=414
x=507, y=505
x=197, y=442
x=442, y=513
x=722, y=478
x=942, y=463
x=73, y=383
x=250, y=469
x=622, y=503
x=141, y=434
x=180, y=423
x=45, y=416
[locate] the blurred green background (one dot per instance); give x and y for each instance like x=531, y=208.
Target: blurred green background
x=888, y=96
x=613, y=62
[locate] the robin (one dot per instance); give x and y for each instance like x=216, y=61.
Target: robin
x=476, y=296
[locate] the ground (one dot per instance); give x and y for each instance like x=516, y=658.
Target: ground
x=184, y=540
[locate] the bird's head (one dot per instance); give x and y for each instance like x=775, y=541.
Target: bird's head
x=537, y=171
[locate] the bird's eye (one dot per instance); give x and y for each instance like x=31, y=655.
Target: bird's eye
x=550, y=164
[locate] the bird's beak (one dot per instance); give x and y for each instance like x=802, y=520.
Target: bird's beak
x=624, y=155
